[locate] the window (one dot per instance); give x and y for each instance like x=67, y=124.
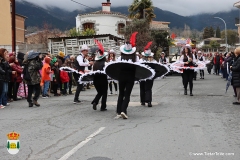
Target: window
x=88, y=25
x=121, y=27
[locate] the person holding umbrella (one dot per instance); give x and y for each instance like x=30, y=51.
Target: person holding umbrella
x=235, y=68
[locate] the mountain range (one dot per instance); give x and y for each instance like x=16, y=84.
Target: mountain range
x=65, y=20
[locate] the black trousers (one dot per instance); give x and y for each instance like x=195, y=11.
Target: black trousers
x=12, y=90
x=79, y=86
x=146, y=91
x=31, y=88
x=125, y=90
x=201, y=73
x=64, y=90
x=110, y=86
x=54, y=88
x=209, y=68
x=70, y=82
x=188, y=75
x=217, y=69
x=101, y=84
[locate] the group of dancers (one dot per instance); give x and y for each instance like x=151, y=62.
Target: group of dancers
x=126, y=70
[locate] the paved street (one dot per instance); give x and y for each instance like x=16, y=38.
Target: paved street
x=178, y=127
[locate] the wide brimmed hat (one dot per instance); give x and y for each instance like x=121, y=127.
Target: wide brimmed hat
x=160, y=69
x=88, y=77
x=129, y=47
x=100, y=56
x=100, y=52
x=33, y=54
x=84, y=47
x=143, y=72
x=148, y=54
x=147, y=50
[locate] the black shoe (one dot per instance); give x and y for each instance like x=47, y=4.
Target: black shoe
x=30, y=104
x=234, y=95
x=149, y=104
x=143, y=103
x=36, y=103
x=94, y=106
x=203, y=78
x=76, y=101
x=70, y=93
x=103, y=109
x=185, y=91
x=191, y=94
x=236, y=103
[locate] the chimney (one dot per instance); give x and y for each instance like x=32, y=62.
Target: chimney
x=106, y=6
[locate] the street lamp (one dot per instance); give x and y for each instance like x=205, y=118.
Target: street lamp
x=225, y=31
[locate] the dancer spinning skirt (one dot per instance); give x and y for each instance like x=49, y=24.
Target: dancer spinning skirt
x=126, y=70
x=188, y=63
x=112, y=58
x=146, y=86
x=98, y=77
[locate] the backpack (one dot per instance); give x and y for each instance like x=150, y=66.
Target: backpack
x=26, y=74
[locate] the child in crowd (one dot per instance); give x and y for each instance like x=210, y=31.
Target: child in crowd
x=64, y=79
x=46, y=71
x=56, y=76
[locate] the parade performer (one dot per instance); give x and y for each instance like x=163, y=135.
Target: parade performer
x=126, y=70
x=112, y=58
x=100, y=80
x=80, y=64
x=146, y=86
x=188, y=63
x=188, y=59
x=201, y=58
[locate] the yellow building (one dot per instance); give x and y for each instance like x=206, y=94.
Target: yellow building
x=6, y=25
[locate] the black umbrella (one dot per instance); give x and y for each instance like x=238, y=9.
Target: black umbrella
x=160, y=69
x=143, y=72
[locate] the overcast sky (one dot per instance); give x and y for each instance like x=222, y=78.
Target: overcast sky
x=181, y=7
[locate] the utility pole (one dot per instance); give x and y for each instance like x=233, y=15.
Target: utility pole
x=13, y=13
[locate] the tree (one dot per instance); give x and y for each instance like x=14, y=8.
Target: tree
x=218, y=33
x=41, y=35
x=206, y=33
x=214, y=44
x=88, y=32
x=74, y=32
x=232, y=36
x=162, y=40
x=211, y=32
x=143, y=36
x=141, y=9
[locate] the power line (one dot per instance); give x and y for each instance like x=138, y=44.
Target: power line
x=82, y=4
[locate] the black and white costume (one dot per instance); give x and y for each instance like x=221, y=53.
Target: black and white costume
x=202, y=59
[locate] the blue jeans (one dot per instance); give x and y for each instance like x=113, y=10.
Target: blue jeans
x=46, y=87
x=3, y=97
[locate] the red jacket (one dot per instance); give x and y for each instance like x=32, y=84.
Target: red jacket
x=16, y=77
x=64, y=77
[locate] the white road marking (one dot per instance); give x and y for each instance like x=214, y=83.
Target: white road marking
x=81, y=144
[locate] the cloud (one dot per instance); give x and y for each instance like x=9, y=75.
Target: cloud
x=181, y=7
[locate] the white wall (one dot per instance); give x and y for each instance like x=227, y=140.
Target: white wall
x=104, y=24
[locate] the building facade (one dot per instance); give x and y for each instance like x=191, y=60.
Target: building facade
x=5, y=16
x=6, y=29
x=103, y=22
